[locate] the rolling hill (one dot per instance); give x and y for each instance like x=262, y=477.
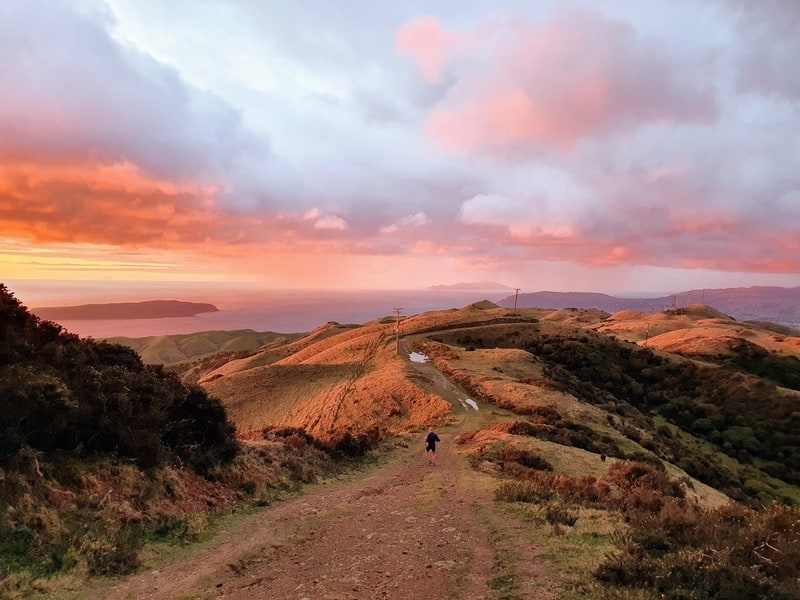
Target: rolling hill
x=167, y=349
x=723, y=385
x=765, y=303
x=677, y=430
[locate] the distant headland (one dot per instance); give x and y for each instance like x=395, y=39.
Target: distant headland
x=150, y=309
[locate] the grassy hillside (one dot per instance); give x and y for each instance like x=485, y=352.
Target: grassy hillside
x=724, y=413
x=338, y=381
x=168, y=349
x=590, y=418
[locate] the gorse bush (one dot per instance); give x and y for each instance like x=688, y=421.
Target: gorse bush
x=71, y=406
x=731, y=552
x=59, y=393
x=746, y=417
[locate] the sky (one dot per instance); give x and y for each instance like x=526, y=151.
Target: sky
x=622, y=147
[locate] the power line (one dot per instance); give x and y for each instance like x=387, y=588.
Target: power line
x=397, y=329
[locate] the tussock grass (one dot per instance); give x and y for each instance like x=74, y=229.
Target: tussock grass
x=666, y=546
x=169, y=349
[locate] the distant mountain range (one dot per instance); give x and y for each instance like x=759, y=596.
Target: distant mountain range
x=477, y=286
x=774, y=304
x=150, y=309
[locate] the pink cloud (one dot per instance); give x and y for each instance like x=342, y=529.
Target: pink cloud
x=577, y=76
x=429, y=44
x=103, y=204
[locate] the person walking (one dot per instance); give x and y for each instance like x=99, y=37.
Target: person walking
x=430, y=446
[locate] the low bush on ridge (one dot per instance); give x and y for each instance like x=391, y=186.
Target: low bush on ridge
x=729, y=552
x=341, y=444
x=671, y=546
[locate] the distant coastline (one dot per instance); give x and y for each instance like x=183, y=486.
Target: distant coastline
x=292, y=311
x=779, y=305
x=473, y=286
x=285, y=311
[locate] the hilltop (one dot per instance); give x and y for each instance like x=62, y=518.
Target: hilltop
x=766, y=303
x=169, y=349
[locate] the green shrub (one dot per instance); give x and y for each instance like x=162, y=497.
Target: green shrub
x=558, y=514
x=110, y=554
x=64, y=394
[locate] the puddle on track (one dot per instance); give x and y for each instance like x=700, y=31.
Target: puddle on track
x=418, y=357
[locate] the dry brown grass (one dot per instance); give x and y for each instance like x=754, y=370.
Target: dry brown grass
x=349, y=378
x=697, y=330
x=341, y=379
x=511, y=379
x=576, y=316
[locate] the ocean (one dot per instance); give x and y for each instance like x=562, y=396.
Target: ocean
x=282, y=311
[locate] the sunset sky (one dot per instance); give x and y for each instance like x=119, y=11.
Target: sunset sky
x=640, y=147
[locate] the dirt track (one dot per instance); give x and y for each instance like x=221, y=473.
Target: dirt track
x=406, y=530
x=409, y=530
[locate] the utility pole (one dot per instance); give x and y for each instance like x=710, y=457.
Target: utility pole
x=516, y=295
x=397, y=330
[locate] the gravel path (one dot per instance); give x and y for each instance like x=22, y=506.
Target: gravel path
x=405, y=530
x=409, y=530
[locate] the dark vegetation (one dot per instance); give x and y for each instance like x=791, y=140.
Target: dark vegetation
x=750, y=358
x=344, y=445
x=75, y=413
x=60, y=393
x=746, y=417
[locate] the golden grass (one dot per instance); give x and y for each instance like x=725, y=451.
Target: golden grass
x=697, y=330
x=350, y=378
x=168, y=349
